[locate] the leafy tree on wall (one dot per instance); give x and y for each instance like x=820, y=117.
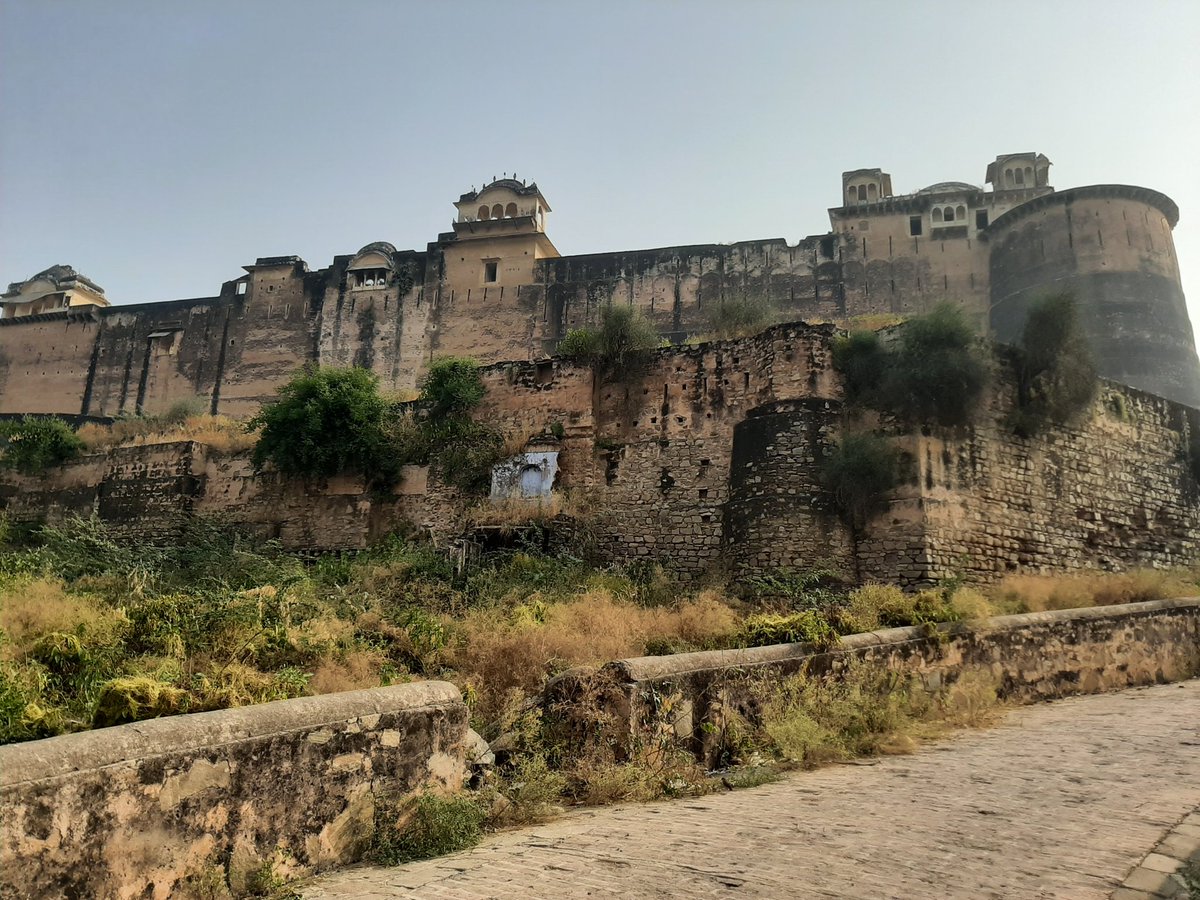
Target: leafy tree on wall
x=324, y=422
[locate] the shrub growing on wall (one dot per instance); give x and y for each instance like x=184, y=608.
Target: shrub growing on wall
x=862, y=361
x=933, y=373
x=453, y=386
x=1057, y=377
x=859, y=472
x=35, y=443
x=326, y=421
x=937, y=372
x=624, y=335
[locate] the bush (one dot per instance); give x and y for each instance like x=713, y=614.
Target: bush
x=431, y=826
x=623, y=336
x=581, y=344
x=326, y=421
x=453, y=387
x=859, y=472
x=937, y=373
x=806, y=627
x=862, y=362
x=1057, y=377
x=35, y=444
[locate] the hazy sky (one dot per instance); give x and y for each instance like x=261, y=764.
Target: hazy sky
x=159, y=146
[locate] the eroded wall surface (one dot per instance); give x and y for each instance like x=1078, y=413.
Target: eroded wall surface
x=136, y=811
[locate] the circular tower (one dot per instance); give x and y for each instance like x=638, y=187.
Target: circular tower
x=1110, y=245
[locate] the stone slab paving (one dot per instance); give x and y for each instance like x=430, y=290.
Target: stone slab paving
x=1059, y=800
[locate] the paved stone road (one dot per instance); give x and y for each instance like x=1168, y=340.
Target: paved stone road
x=1060, y=800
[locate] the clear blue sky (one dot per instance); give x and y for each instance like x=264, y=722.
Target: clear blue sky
x=159, y=146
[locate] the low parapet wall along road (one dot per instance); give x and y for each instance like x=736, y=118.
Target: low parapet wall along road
x=687, y=697
x=141, y=810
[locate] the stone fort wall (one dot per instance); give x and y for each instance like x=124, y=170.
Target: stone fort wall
x=1109, y=244
x=707, y=457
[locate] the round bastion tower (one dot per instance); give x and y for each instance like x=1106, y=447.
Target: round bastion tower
x=1111, y=246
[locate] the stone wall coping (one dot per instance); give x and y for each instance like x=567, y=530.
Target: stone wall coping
x=652, y=668
x=62, y=755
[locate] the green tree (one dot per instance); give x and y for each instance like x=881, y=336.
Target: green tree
x=36, y=443
x=324, y=422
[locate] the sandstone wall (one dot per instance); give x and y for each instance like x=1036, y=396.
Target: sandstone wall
x=135, y=810
x=687, y=698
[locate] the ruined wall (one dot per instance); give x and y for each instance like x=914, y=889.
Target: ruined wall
x=708, y=456
x=688, y=697
x=1111, y=246
x=140, y=810
x=664, y=439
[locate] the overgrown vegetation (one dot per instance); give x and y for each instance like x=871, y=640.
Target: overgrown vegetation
x=35, y=443
x=1056, y=371
x=624, y=336
x=427, y=826
x=440, y=432
x=324, y=422
x=933, y=372
x=859, y=472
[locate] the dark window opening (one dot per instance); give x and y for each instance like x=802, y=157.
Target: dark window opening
x=981, y=218
x=914, y=225
x=827, y=247
x=490, y=271
x=545, y=372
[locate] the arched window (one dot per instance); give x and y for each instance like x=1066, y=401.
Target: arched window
x=1029, y=175
x=937, y=214
x=862, y=193
x=497, y=211
x=960, y=212
x=1008, y=177
x=510, y=210
x=1020, y=176
x=851, y=194
x=484, y=212
x=872, y=192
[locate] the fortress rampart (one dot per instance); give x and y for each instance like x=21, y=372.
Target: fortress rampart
x=707, y=458
x=495, y=288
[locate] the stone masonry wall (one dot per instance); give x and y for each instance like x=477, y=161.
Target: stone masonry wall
x=687, y=698
x=135, y=811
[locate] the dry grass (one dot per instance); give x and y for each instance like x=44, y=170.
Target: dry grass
x=870, y=711
x=514, y=512
x=31, y=608
x=498, y=650
x=220, y=433
x=1038, y=593
x=354, y=671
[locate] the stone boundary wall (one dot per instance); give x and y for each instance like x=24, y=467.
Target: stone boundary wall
x=685, y=698
x=143, y=810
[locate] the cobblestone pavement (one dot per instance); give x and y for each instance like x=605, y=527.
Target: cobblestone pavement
x=1059, y=800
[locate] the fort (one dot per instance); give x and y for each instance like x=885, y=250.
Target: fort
x=496, y=288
